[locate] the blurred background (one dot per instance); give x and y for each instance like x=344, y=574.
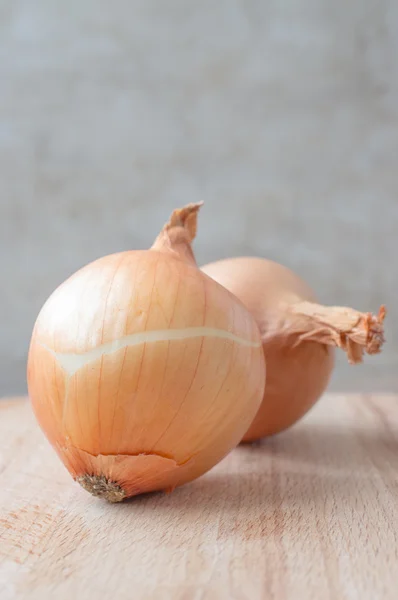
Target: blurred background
x=282, y=115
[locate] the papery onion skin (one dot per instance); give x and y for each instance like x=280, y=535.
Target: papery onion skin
x=176, y=391
x=298, y=336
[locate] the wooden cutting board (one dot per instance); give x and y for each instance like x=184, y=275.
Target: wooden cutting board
x=309, y=515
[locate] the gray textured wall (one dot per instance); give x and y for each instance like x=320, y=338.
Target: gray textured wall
x=281, y=115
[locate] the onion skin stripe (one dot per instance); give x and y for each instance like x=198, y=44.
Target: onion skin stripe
x=73, y=362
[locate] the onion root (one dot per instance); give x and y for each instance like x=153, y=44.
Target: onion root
x=101, y=487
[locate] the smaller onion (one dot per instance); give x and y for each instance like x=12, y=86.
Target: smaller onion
x=298, y=336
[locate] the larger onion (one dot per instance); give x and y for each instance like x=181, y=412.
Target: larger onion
x=298, y=336
x=143, y=372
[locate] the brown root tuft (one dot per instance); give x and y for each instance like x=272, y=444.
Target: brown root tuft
x=101, y=487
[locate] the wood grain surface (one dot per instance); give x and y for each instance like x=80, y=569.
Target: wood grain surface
x=309, y=515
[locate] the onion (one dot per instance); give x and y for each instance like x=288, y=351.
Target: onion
x=143, y=372
x=298, y=337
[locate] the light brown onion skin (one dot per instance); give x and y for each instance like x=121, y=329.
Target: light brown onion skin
x=296, y=376
x=154, y=415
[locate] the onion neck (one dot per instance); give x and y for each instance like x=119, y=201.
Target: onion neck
x=354, y=332
x=177, y=235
